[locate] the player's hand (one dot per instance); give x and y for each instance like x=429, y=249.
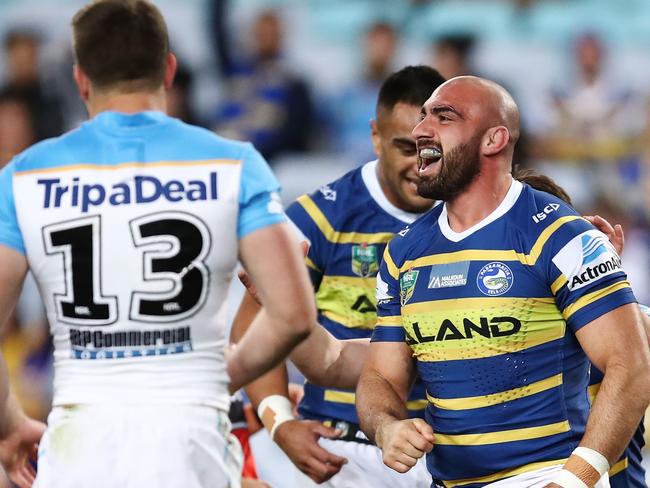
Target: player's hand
x=299, y=440
x=403, y=442
x=246, y=280
x=19, y=448
x=614, y=234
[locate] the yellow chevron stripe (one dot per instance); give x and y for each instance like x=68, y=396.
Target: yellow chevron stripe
x=340, y=237
x=492, y=255
x=592, y=297
x=467, y=403
x=502, y=436
x=558, y=284
x=505, y=474
x=390, y=264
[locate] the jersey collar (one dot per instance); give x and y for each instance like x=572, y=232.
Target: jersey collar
x=507, y=203
x=370, y=179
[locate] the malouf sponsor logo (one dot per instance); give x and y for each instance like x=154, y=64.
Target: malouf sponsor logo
x=448, y=275
x=587, y=258
x=142, y=189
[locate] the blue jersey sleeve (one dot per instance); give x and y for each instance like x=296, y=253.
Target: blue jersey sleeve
x=585, y=273
x=316, y=258
x=259, y=200
x=10, y=234
x=389, y=321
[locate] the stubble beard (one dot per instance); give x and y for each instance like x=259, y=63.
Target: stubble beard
x=460, y=166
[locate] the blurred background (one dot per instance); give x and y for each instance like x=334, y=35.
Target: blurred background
x=299, y=79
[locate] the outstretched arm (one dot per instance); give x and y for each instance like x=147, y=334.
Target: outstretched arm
x=274, y=261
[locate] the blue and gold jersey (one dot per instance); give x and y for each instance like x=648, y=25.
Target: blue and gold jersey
x=348, y=224
x=628, y=471
x=491, y=315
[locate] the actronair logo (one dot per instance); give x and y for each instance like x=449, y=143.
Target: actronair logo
x=141, y=189
x=587, y=258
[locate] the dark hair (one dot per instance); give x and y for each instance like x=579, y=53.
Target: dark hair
x=412, y=85
x=20, y=35
x=541, y=183
x=121, y=43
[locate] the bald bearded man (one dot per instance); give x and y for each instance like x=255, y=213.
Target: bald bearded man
x=499, y=299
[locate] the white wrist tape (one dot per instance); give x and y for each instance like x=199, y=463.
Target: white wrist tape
x=567, y=479
x=594, y=458
x=280, y=408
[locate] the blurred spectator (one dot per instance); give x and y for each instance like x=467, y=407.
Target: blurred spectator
x=16, y=129
x=452, y=55
x=348, y=113
x=179, y=103
x=24, y=79
x=593, y=145
x=264, y=102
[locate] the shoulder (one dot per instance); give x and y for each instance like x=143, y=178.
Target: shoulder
x=540, y=215
x=210, y=144
x=401, y=247
x=336, y=199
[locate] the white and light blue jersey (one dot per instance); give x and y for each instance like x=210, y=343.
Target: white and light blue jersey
x=130, y=225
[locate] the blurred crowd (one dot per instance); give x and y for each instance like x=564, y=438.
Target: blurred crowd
x=300, y=80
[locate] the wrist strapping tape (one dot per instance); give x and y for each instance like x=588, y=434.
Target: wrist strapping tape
x=274, y=410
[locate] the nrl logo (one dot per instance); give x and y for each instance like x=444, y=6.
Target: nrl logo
x=407, y=285
x=364, y=260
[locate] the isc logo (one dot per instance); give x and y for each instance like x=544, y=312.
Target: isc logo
x=550, y=208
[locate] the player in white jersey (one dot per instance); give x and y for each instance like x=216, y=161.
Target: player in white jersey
x=132, y=226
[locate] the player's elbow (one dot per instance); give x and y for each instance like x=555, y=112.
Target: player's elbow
x=298, y=321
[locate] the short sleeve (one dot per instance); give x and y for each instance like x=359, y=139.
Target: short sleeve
x=259, y=199
x=10, y=234
x=389, y=321
x=585, y=274
x=309, y=231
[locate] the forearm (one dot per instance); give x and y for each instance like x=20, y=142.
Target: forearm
x=378, y=403
x=275, y=382
x=621, y=402
x=249, y=360
x=330, y=362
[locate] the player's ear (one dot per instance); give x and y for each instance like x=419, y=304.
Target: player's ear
x=495, y=140
x=374, y=135
x=170, y=70
x=82, y=82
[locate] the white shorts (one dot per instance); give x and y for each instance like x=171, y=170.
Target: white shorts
x=538, y=479
x=129, y=446
x=365, y=468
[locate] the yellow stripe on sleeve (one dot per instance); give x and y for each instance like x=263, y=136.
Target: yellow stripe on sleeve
x=592, y=297
x=467, y=403
x=536, y=250
x=500, y=437
x=340, y=237
x=390, y=321
x=505, y=474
